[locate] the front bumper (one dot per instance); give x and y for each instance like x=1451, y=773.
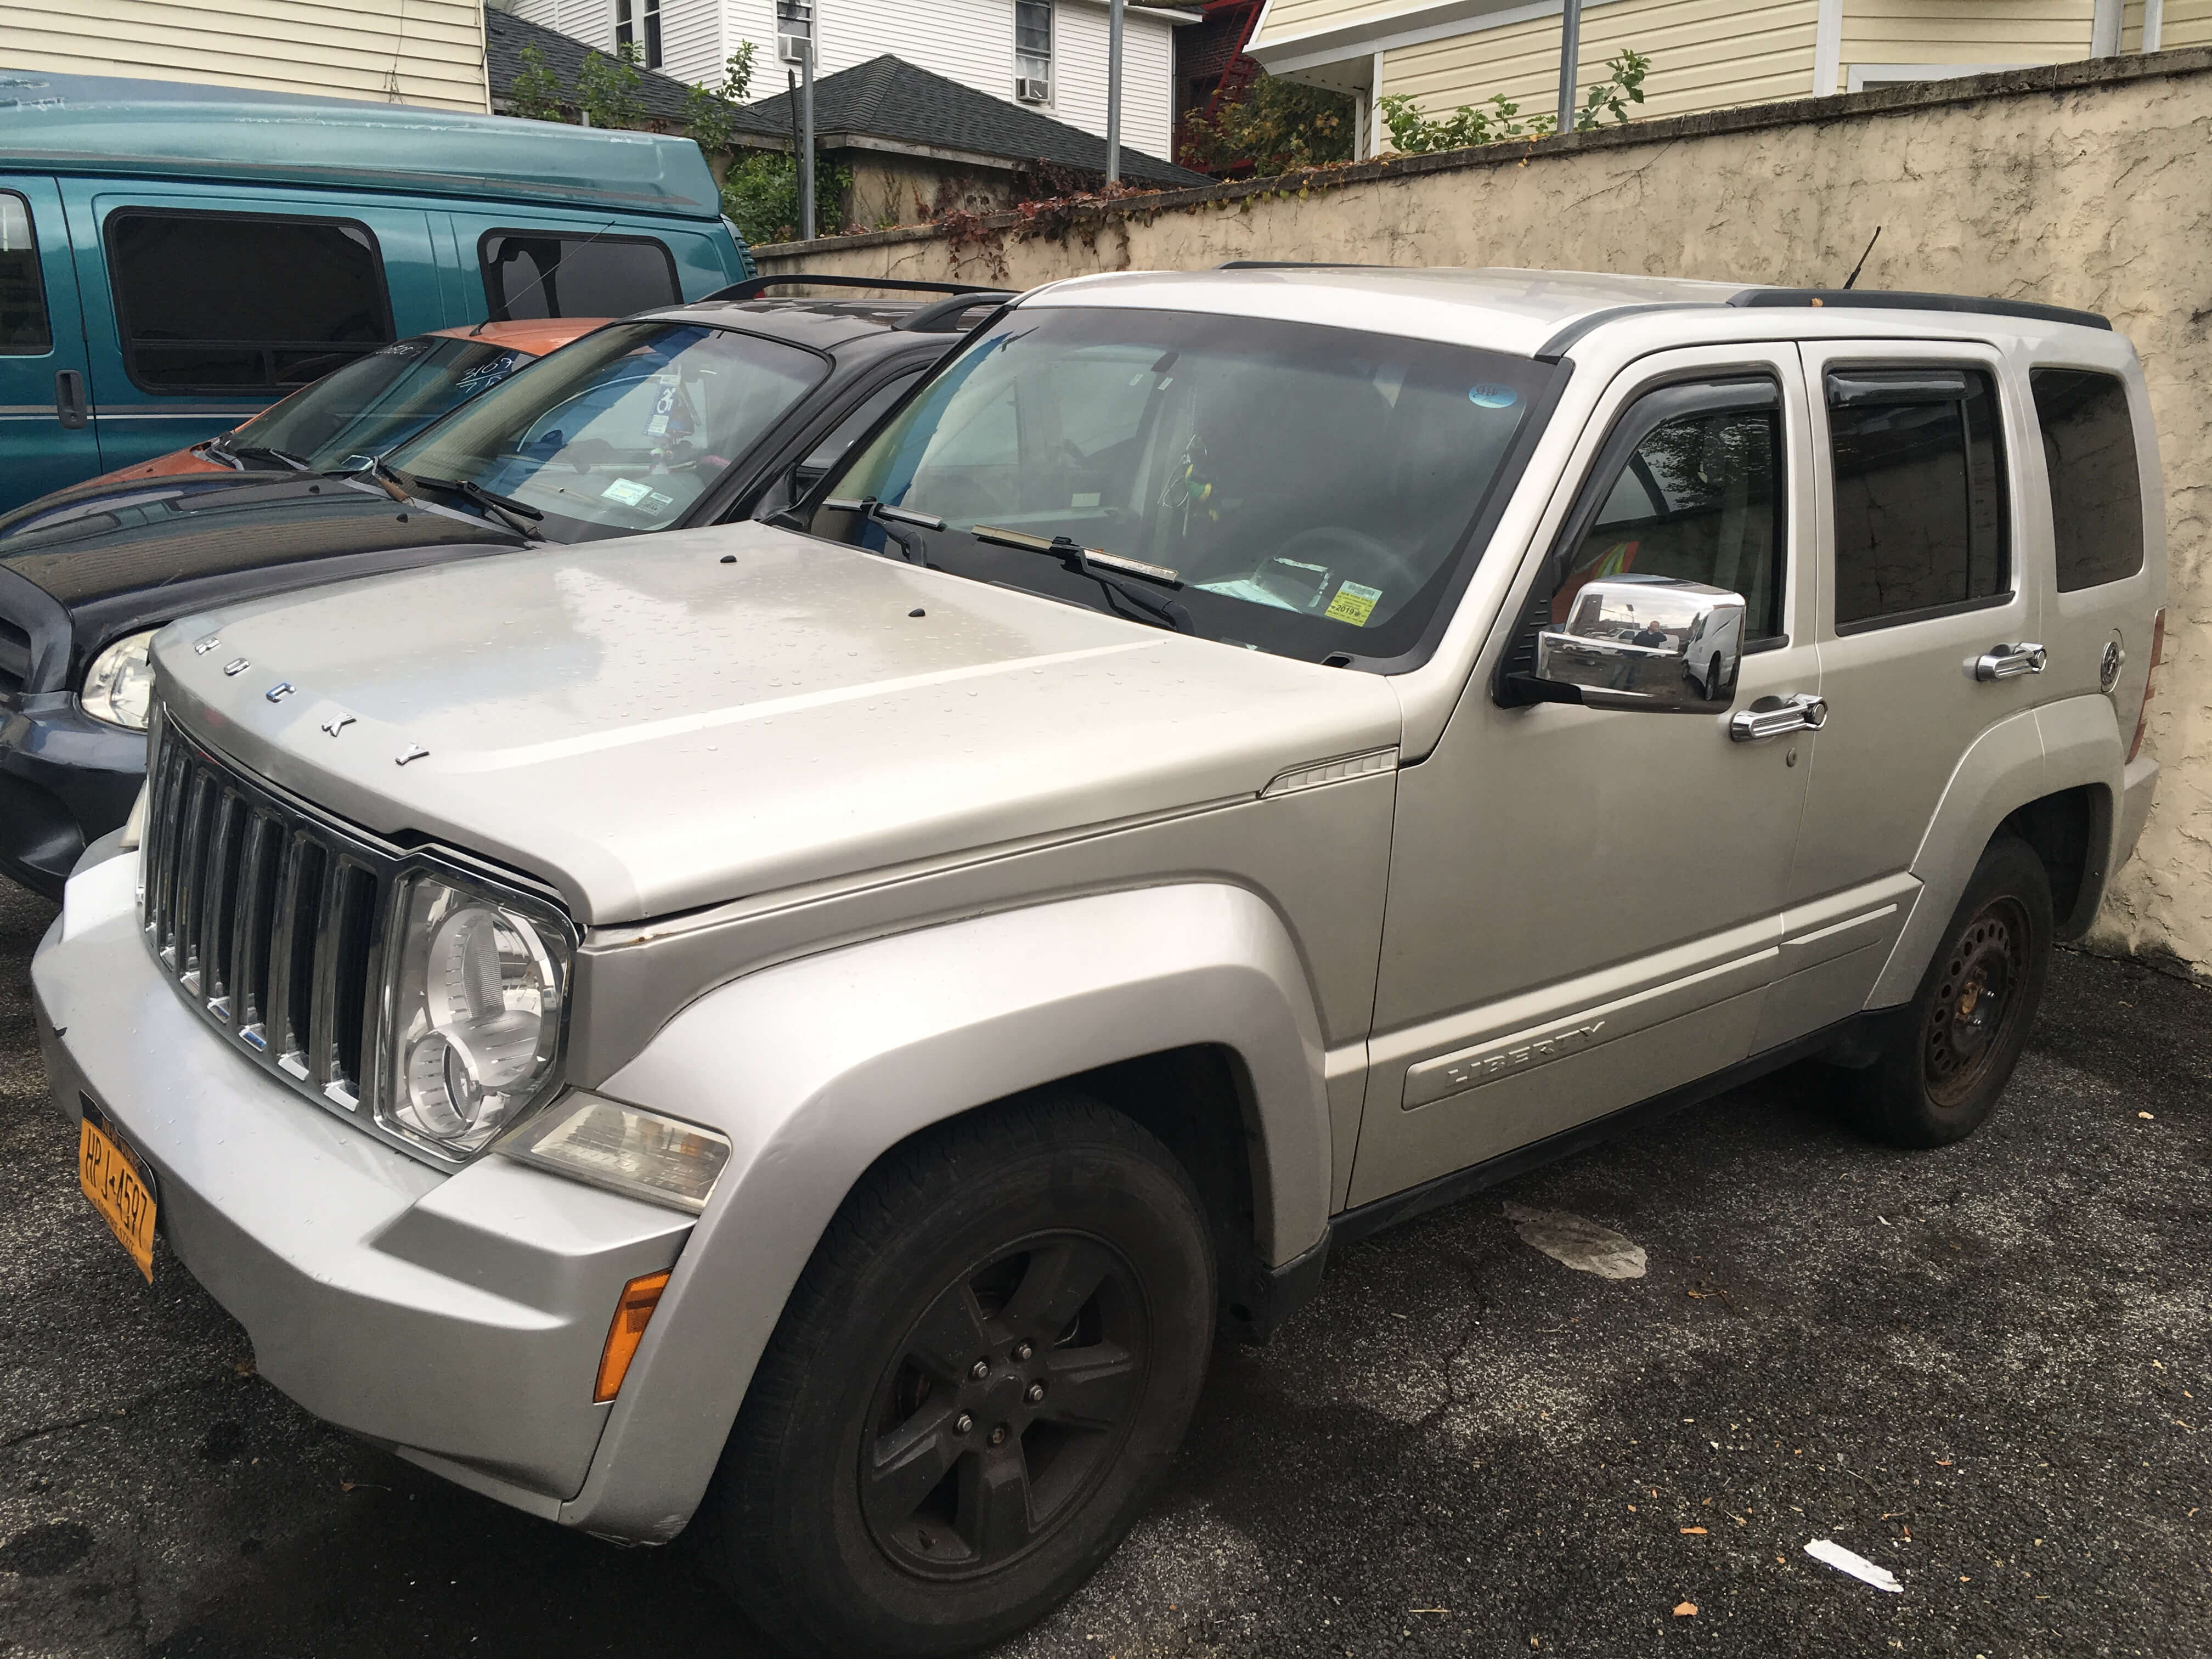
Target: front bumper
x=458, y=1319
x=66, y=780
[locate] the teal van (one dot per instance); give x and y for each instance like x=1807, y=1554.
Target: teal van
x=175, y=258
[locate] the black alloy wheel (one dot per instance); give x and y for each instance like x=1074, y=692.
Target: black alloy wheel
x=1952, y=1050
x=975, y=1386
x=1009, y=1398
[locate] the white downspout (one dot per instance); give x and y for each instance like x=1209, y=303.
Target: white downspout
x=1827, y=47
x=2154, y=27
x=2105, y=27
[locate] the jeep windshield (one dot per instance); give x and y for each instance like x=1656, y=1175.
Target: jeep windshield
x=621, y=432
x=1305, y=490
x=373, y=402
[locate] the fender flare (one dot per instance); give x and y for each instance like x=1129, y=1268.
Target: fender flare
x=2021, y=758
x=814, y=1068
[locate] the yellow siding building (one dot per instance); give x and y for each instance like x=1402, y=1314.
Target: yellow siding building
x=1706, y=54
x=429, y=52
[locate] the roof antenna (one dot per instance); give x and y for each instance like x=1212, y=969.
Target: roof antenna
x=1851, y=281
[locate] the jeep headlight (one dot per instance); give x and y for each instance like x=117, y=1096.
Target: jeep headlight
x=476, y=1026
x=118, y=687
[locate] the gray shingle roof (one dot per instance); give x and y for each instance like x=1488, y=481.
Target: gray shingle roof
x=889, y=98
x=660, y=96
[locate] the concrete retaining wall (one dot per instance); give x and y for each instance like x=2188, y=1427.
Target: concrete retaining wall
x=2085, y=184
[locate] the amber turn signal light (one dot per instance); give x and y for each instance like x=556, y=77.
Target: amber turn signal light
x=632, y=1314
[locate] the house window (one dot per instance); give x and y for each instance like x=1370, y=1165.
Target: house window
x=627, y=15
x=794, y=28
x=1033, y=51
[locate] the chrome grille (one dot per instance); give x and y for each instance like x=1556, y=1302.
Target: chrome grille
x=270, y=919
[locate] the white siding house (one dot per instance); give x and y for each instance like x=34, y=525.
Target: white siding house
x=971, y=41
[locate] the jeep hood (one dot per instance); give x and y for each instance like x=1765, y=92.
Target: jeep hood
x=660, y=723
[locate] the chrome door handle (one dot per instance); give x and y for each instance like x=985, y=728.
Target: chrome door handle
x=2003, y=662
x=1798, y=713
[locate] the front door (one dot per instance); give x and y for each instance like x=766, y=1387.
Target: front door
x=1584, y=905
x=1918, y=584
x=47, y=438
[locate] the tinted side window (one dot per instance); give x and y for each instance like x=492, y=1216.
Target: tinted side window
x=1920, y=492
x=1699, y=497
x=545, y=274
x=2096, y=493
x=219, y=303
x=23, y=327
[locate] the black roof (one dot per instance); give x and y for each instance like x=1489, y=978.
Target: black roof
x=659, y=96
x=889, y=98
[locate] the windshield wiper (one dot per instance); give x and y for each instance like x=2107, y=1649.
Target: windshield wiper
x=1082, y=561
x=394, y=483
x=889, y=519
x=519, y=516
x=282, y=457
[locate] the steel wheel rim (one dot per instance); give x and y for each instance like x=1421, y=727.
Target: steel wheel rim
x=961, y=1475
x=1976, y=1001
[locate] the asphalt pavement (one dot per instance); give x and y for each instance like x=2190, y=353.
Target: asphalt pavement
x=1986, y=1370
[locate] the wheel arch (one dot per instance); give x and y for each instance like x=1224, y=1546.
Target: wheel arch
x=1186, y=1006
x=2052, y=776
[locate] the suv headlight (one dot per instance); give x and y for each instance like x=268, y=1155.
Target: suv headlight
x=476, y=1024
x=119, y=687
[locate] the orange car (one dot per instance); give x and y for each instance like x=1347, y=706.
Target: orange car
x=370, y=405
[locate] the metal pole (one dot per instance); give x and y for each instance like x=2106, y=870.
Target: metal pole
x=1571, y=47
x=806, y=140
x=1113, y=92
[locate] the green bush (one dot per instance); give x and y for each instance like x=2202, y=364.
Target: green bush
x=1278, y=125
x=761, y=196
x=606, y=88
x=536, y=93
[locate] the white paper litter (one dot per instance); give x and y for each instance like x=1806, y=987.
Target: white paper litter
x=1842, y=1560
x=1574, y=1243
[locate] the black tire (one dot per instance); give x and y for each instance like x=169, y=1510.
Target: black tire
x=1061, y=1247
x=1955, y=1044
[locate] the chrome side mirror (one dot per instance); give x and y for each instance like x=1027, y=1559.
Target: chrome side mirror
x=1654, y=642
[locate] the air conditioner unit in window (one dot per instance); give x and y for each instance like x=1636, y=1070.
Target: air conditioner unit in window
x=1032, y=90
x=791, y=48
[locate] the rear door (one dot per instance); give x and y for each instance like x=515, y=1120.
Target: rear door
x=1920, y=579
x=46, y=435
x=205, y=305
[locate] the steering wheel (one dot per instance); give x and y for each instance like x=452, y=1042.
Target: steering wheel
x=1339, y=546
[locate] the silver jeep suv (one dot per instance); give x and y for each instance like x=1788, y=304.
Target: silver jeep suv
x=810, y=1029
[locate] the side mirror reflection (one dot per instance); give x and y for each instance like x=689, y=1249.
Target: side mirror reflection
x=1651, y=642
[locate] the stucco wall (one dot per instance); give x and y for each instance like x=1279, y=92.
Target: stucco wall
x=2084, y=185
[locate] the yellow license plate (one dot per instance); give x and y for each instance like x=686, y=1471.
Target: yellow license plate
x=119, y=1183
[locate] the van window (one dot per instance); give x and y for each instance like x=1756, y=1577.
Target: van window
x=1698, y=498
x=1920, y=493
x=24, y=330
x=2096, y=493
x=229, y=302
x=537, y=273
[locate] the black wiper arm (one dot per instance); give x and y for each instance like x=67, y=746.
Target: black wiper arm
x=1166, y=613
x=890, y=519
x=519, y=516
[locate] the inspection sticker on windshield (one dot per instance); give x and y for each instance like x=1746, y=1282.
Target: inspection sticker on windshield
x=1486, y=396
x=1354, y=604
x=628, y=491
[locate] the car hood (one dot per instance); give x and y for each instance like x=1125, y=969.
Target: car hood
x=657, y=724
x=157, y=532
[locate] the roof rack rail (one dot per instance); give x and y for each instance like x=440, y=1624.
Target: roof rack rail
x=753, y=286
x=943, y=316
x=1879, y=300
x=1299, y=265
